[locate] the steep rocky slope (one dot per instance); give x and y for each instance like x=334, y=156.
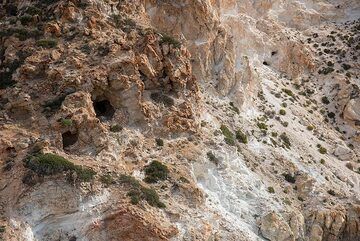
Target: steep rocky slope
x=192, y=120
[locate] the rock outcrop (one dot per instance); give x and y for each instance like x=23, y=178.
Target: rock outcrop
x=192, y=120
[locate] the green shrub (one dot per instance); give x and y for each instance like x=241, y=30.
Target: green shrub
x=46, y=43
x=169, y=40
x=66, y=122
x=285, y=123
x=325, y=100
x=228, y=135
x=51, y=164
x=322, y=161
x=21, y=33
x=116, y=128
x=262, y=125
x=156, y=171
x=271, y=190
x=282, y=112
x=310, y=127
x=138, y=192
x=25, y=19
x=331, y=192
x=107, y=179
x=2, y=229
x=322, y=150
x=286, y=140
x=31, y=10
x=159, y=142
x=288, y=92
x=289, y=178
x=212, y=158
x=241, y=137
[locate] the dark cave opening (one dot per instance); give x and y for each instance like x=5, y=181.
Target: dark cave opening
x=104, y=109
x=69, y=139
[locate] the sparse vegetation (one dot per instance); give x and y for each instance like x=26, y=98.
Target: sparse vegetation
x=228, y=135
x=286, y=140
x=282, y=112
x=107, y=179
x=155, y=172
x=46, y=43
x=167, y=39
x=288, y=92
x=138, y=192
x=25, y=19
x=116, y=128
x=212, y=158
x=159, y=142
x=310, y=127
x=241, y=137
x=271, y=190
x=325, y=100
x=234, y=108
x=322, y=161
x=321, y=149
x=51, y=164
x=66, y=122
x=289, y=178
x=262, y=125
x=331, y=192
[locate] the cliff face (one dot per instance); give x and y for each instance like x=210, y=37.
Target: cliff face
x=192, y=120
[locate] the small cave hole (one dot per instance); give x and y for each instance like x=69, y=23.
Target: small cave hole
x=104, y=109
x=69, y=139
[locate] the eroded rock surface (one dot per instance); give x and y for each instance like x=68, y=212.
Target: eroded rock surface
x=192, y=120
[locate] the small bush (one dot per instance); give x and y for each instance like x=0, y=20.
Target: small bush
x=25, y=19
x=156, y=171
x=2, y=229
x=66, y=122
x=212, y=158
x=322, y=161
x=241, y=137
x=47, y=43
x=262, y=125
x=116, y=128
x=159, y=142
x=170, y=40
x=325, y=100
x=107, y=179
x=288, y=92
x=285, y=139
x=282, y=112
x=271, y=190
x=289, y=178
x=310, y=127
x=51, y=164
x=228, y=135
x=331, y=192
x=138, y=192
x=322, y=150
